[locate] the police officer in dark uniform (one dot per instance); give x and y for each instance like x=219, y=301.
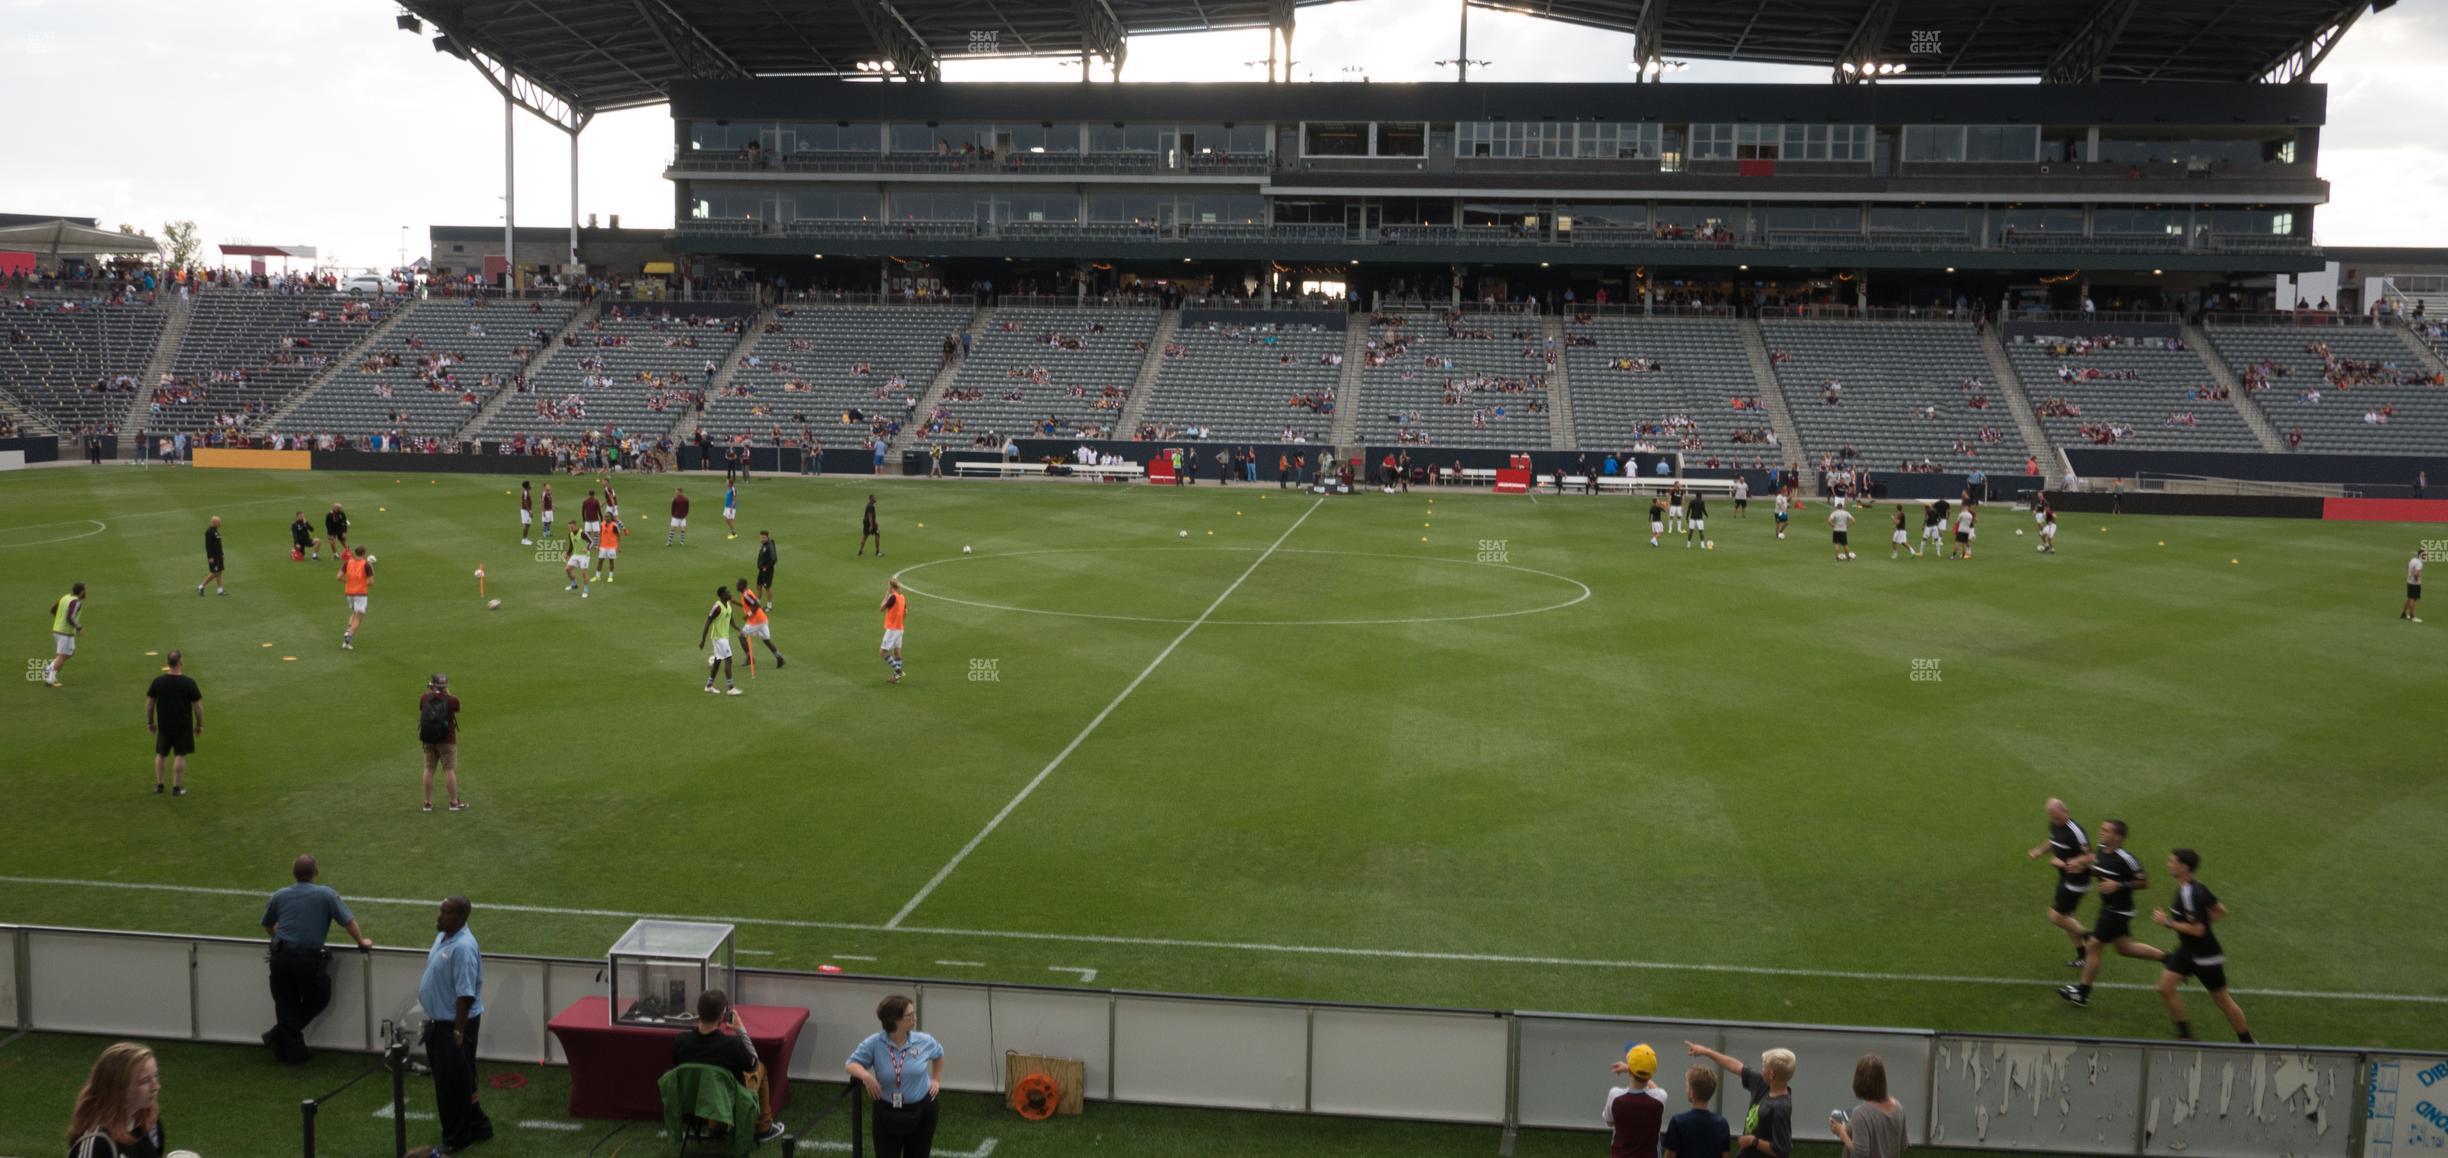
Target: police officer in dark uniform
x=297, y=918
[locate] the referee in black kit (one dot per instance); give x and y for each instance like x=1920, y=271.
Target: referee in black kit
x=212, y=557
x=297, y=918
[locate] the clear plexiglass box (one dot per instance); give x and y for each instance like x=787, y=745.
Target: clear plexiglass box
x=659, y=967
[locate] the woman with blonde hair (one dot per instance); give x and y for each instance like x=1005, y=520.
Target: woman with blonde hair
x=118, y=1113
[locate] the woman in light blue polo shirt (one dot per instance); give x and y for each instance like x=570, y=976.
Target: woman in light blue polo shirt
x=903, y=1071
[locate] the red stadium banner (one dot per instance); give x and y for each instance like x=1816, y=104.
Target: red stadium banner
x=14, y=264
x=2386, y=510
x=1756, y=168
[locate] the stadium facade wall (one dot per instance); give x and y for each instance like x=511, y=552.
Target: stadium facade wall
x=2374, y=475
x=2010, y=330
x=48, y=449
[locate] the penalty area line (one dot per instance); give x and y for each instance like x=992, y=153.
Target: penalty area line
x=1031, y=787
x=1254, y=946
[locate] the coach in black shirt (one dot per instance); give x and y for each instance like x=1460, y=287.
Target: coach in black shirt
x=212, y=557
x=174, y=713
x=767, y=556
x=720, y=1040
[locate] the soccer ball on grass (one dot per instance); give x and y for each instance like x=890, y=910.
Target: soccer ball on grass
x=1185, y=534
x=964, y=548
x=493, y=605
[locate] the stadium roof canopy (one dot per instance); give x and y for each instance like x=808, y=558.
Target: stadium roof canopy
x=590, y=56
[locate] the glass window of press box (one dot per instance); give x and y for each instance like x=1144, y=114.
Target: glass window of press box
x=1739, y=142
x=824, y=137
x=1036, y=207
x=1604, y=214
x=1607, y=140
x=1040, y=139
x=723, y=136
x=1213, y=140
x=2036, y=221
x=1950, y=143
x=1132, y=208
x=1818, y=218
x=1224, y=209
x=1924, y=219
x=2247, y=222
x=936, y=204
x=1335, y=139
x=919, y=137
x=1695, y=218
x=2106, y=219
x=2196, y=147
x=1113, y=138
x=715, y=204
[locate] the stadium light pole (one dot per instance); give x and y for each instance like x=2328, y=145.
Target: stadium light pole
x=509, y=193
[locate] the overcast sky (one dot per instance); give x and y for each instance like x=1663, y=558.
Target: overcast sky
x=318, y=122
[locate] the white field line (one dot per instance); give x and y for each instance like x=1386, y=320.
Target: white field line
x=1252, y=946
x=984, y=1148
x=1076, y=741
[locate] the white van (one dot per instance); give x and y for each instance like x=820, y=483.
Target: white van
x=365, y=283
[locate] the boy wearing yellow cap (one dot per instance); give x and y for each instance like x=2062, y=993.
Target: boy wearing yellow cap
x=1637, y=1111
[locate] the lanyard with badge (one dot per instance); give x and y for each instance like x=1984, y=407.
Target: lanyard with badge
x=890, y=1049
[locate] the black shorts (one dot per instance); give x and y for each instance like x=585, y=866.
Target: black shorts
x=2212, y=977
x=1840, y=538
x=2111, y=925
x=1742, y=504
x=166, y=743
x=765, y=578
x=2067, y=898
x=1963, y=536
x=2413, y=590
x=215, y=563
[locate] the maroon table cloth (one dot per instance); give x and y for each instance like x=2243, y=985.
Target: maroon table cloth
x=614, y=1068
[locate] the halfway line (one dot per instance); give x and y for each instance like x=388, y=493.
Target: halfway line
x=1077, y=740
x=1240, y=946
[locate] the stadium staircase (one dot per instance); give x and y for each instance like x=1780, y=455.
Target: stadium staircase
x=2423, y=351
x=467, y=431
x=1346, y=428
x=174, y=331
x=370, y=343
x=1764, y=381
x=1143, y=388
x=26, y=421
x=907, y=439
x=2027, y=420
x=1560, y=429
x=2264, y=431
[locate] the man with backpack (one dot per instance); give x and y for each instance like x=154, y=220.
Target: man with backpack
x=438, y=730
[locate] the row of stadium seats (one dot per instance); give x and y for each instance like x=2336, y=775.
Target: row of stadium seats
x=1893, y=376
x=2416, y=412
x=1241, y=383
x=77, y=369
x=816, y=365
x=248, y=351
x=639, y=374
x=2131, y=393
x=1641, y=378
x=463, y=341
x=1088, y=351
x=1451, y=382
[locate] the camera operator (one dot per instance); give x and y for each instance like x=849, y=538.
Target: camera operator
x=297, y=918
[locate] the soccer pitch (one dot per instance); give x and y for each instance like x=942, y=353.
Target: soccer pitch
x=1444, y=748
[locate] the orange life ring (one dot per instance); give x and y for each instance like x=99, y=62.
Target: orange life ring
x=1036, y=1096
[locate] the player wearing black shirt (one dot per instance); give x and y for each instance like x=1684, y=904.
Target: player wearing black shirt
x=2069, y=852
x=1933, y=526
x=301, y=536
x=767, y=556
x=2120, y=877
x=335, y=529
x=1698, y=528
x=212, y=557
x=2197, y=954
x=868, y=527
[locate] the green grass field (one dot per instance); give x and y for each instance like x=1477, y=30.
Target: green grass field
x=1317, y=750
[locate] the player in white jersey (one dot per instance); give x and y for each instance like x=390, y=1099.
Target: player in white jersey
x=2048, y=533
x=1784, y=512
x=1898, y=541
x=1842, y=521
x=1742, y=497
x=1964, y=519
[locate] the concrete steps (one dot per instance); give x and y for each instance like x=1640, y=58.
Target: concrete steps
x=1168, y=324
x=1780, y=418
x=1560, y=432
x=2255, y=419
x=2036, y=441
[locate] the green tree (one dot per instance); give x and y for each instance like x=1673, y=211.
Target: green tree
x=184, y=245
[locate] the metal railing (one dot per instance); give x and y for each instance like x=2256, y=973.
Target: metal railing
x=2295, y=318
x=1818, y=313
x=2195, y=484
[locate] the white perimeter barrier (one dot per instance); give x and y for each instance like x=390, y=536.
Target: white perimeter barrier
x=1539, y=1070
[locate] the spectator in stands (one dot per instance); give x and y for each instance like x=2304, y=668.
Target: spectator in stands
x=119, y=1111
